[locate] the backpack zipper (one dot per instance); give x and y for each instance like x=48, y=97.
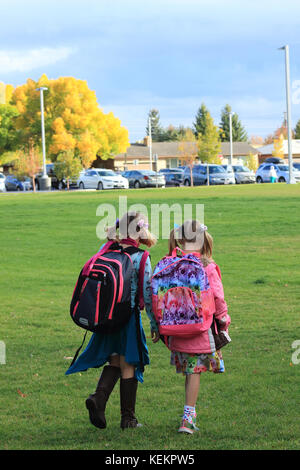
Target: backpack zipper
x=97, y=303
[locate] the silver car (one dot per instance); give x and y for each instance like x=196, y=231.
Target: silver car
x=230, y=174
x=282, y=172
x=243, y=175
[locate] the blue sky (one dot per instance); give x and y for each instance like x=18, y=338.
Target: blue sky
x=169, y=55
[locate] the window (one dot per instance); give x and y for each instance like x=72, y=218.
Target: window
x=105, y=173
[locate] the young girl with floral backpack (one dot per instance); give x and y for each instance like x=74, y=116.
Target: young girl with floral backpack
x=124, y=351
x=189, y=306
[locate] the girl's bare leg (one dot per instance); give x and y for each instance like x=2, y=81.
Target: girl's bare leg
x=127, y=370
x=192, y=384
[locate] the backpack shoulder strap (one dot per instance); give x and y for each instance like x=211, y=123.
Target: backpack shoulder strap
x=143, y=261
x=131, y=250
x=139, y=303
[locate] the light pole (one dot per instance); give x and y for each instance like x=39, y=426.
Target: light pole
x=150, y=142
x=288, y=111
x=45, y=182
x=230, y=136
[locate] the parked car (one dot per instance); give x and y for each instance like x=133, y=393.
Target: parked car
x=173, y=176
x=2, y=183
x=97, y=178
x=243, y=175
x=144, y=179
x=296, y=165
x=217, y=175
x=56, y=183
x=282, y=171
x=276, y=160
x=12, y=183
x=27, y=183
x=230, y=173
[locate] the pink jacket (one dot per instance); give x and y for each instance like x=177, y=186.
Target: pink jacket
x=204, y=342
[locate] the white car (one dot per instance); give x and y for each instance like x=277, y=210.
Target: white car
x=282, y=172
x=2, y=183
x=97, y=178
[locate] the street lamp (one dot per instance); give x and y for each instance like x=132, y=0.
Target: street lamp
x=230, y=136
x=150, y=142
x=288, y=111
x=45, y=180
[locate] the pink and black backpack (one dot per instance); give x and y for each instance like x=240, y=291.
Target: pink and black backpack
x=183, y=302
x=101, y=301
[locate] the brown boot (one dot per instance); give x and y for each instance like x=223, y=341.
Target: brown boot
x=96, y=402
x=128, y=389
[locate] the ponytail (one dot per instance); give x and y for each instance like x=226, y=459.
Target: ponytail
x=173, y=243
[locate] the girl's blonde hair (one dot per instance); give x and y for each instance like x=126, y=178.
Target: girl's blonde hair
x=132, y=225
x=191, y=231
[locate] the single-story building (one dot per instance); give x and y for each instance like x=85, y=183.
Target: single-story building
x=267, y=151
x=170, y=155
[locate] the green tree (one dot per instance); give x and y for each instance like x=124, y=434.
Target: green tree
x=201, y=120
x=209, y=145
x=172, y=133
x=297, y=130
x=8, y=133
x=238, y=132
x=67, y=166
x=156, y=128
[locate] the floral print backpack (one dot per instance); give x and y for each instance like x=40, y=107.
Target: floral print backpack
x=182, y=299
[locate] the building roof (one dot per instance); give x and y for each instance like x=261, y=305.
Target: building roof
x=239, y=148
x=268, y=149
x=170, y=149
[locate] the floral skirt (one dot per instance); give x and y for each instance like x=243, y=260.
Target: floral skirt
x=187, y=363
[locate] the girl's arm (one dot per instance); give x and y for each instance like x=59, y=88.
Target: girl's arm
x=214, y=276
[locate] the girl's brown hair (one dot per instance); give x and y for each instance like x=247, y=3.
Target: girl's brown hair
x=132, y=225
x=180, y=236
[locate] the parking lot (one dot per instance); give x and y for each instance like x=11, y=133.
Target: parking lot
x=199, y=175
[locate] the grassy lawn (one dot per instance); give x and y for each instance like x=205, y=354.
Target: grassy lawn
x=45, y=240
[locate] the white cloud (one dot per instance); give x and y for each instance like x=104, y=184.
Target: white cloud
x=23, y=61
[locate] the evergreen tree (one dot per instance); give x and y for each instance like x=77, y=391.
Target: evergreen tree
x=201, y=121
x=156, y=129
x=297, y=130
x=238, y=132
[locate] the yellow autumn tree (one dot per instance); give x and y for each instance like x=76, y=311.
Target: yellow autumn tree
x=251, y=162
x=188, y=151
x=73, y=120
x=278, y=147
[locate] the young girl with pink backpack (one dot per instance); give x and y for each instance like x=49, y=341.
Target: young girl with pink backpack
x=189, y=306
x=112, y=288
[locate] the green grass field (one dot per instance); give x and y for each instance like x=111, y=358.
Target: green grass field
x=46, y=238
